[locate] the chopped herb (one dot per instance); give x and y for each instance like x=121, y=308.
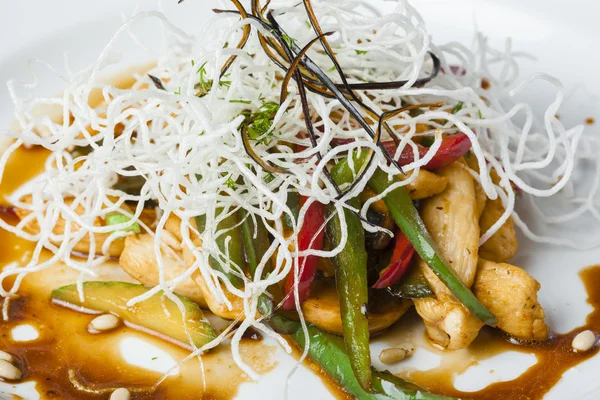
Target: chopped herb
x=308, y=25
x=458, y=107
x=269, y=177
x=154, y=358
x=259, y=127
x=193, y=63
x=480, y=114
x=331, y=69
x=261, y=121
x=269, y=107
x=203, y=85
x=178, y=91
x=226, y=45
x=202, y=70
x=241, y=101
x=289, y=41
x=116, y=219
x=361, y=52
x=231, y=184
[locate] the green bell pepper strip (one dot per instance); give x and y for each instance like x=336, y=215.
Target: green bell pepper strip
x=293, y=202
x=408, y=220
x=413, y=286
x=255, y=249
x=328, y=351
x=352, y=286
x=234, y=248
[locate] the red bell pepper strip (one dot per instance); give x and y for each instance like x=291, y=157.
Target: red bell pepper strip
x=307, y=239
x=452, y=149
x=399, y=263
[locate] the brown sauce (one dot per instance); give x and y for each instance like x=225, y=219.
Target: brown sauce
x=64, y=343
x=590, y=121
x=555, y=356
x=22, y=166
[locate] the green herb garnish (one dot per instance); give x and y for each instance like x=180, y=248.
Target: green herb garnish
x=261, y=121
x=458, y=107
x=230, y=183
x=269, y=177
x=291, y=42
x=361, y=52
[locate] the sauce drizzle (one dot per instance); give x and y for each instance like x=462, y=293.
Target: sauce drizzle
x=555, y=356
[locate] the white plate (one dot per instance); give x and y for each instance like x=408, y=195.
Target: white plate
x=561, y=36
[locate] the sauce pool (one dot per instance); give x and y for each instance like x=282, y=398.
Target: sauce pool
x=64, y=344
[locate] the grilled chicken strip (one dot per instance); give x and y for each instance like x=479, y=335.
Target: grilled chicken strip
x=452, y=219
x=503, y=245
x=139, y=261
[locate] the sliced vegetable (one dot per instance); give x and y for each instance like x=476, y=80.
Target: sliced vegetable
x=328, y=351
x=352, y=286
x=234, y=248
x=117, y=219
x=452, y=149
x=399, y=263
x=293, y=202
x=413, y=285
x=256, y=244
x=149, y=316
x=408, y=220
x=309, y=237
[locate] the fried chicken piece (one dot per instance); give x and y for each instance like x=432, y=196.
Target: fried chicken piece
x=510, y=293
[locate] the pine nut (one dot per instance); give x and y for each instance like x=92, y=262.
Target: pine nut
x=120, y=394
x=584, y=341
x=395, y=354
x=104, y=323
x=6, y=357
x=9, y=371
